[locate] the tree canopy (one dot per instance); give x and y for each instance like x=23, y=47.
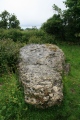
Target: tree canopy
x=8, y=20
x=65, y=24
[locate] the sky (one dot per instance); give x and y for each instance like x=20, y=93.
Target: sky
x=31, y=13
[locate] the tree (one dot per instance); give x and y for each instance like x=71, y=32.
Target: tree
x=8, y=20
x=57, y=10
x=13, y=22
x=65, y=23
x=4, y=16
x=72, y=19
x=54, y=26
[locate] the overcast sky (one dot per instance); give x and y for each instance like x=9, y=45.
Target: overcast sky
x=31, y=12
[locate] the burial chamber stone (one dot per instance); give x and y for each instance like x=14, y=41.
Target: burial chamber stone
x=40, y=71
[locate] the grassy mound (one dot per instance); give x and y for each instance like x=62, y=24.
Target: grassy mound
x=13, y=106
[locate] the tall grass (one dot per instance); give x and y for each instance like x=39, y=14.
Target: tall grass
x=12, y=105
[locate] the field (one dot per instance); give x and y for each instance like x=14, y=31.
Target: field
x=13, y=106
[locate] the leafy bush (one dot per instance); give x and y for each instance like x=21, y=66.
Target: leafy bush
x=14, y=34
x=40, y=37
x=8, y=55
x=35, y=39
x=26, y=36
x=32, y=36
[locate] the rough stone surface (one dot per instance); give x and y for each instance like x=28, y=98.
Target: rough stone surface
x=40, y=71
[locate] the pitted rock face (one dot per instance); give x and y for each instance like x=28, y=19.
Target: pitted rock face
x=40, y=71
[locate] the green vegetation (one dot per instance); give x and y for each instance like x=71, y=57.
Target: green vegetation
x=13, y=106
x=60, y=28
x=26, y=36
x=65, y=25
x=8, y=21
x=8, y=55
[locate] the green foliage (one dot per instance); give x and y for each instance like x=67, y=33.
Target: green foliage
x=4, y=16
x=54, y=26
x=8, y=20
x=57, y=9
x=72, y=19
x=26, y=36
x=14, y=34
x=8, y=55
x=13, y=22
x=41, y=38
x=65, y=25
x=13, y=107
x=35, y=39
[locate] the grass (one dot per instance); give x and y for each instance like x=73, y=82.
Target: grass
x=13, y=106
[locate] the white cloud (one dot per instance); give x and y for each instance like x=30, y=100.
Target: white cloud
x=30, y=12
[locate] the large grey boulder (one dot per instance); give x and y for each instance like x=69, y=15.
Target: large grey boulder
x=40, y=71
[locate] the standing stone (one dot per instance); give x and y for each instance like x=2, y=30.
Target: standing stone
x=40, y=71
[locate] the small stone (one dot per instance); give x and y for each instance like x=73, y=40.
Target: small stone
x=37, y=87
x=46, y=98
x=55, y=88
x=51, y=95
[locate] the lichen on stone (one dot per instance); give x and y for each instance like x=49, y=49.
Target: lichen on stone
x=40, y=69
